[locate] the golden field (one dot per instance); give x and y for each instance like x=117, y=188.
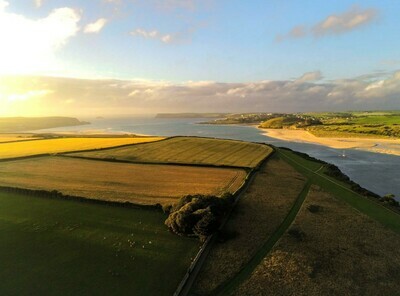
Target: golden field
x=191, y=150
x=50, y=146
x=122, y=182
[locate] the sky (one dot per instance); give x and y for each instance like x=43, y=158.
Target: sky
x=102, y=57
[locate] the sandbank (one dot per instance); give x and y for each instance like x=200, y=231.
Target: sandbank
x=387, y=146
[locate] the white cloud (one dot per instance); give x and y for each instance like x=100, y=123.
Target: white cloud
x=29, y=45
x=334, y=24
x=349, y=20
x=96, y=26
x=154, y=34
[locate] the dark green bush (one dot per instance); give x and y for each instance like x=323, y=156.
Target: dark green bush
x=198, y=215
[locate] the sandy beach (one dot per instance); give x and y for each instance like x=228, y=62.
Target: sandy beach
x=387, y=146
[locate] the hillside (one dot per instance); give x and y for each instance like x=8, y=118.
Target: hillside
x=272, y=221
x=340, y=124
x=303, y=228
x=288, y=122
x=18, y=124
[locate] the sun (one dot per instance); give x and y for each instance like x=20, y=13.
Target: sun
x=30, y=46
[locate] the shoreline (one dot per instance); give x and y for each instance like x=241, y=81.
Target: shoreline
x=386, y=146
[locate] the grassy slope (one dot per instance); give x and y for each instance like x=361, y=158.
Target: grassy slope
x=279, y=122
x=341, y=191
x=58, y=247
x=313, y=171
x=246, y=271
x=332, y=251
x=189, y=150
x=136, y=183
x=255, y=218
x=20, y=149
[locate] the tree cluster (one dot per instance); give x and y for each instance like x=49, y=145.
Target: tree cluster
x=198, y=215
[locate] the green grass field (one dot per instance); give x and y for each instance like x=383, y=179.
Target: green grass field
x=59, y=247
x=188, y=150
x=377, y=119
x=357, y=124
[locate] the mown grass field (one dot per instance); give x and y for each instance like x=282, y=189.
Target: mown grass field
x=355, y=131
x=378, y=119
x=189, y=150
x=59, y=247
x=112, y=181
x=331, y=249
x=255, y=218
x=20, y=149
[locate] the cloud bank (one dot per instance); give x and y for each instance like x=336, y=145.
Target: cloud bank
x=306, y=93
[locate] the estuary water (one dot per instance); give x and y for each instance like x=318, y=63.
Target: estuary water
x=377, y=172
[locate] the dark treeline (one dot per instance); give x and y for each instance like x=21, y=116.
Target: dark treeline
x=55, y=194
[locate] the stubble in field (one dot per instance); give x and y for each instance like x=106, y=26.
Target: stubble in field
x=26, y=148
x=122, y=182
x=189, y=150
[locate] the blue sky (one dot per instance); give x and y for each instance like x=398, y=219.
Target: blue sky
x=228, y=41
x=181, y=42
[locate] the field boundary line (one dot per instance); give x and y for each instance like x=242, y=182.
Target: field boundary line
x=185, y=285
x=205, y=165
x=246, y=271
x=41, y=193
x=20, y=141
